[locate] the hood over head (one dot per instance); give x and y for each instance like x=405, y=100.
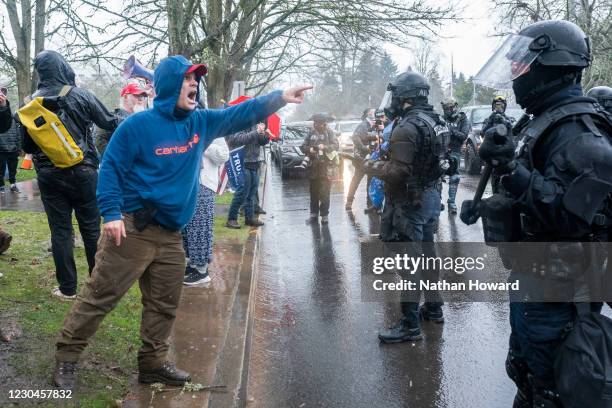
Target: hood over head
x=53, y=70
x=168, y=80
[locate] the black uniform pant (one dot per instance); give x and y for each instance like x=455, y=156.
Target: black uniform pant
x=320, y=190
x=62, y=191
x=10, y=160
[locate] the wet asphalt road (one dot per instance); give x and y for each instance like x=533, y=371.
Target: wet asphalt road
x=315, y=343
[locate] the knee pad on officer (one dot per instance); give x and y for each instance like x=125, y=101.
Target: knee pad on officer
x=454, y=179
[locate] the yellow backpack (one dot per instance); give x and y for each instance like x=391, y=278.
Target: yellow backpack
x=49, y=133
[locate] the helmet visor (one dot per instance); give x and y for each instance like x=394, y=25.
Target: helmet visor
x=386, y=100
x=510, y=61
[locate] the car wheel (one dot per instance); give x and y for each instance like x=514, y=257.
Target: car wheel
x=473, y=163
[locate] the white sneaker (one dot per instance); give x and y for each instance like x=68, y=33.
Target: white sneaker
x=58, y=293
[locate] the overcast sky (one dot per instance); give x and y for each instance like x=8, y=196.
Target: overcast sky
x=469, y=41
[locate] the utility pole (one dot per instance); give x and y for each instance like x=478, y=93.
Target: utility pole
x=452, y=77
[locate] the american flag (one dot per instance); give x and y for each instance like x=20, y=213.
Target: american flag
x=223, y=178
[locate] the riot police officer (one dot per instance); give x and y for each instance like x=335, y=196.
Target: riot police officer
x=411, y=171
x=603, y=96
x=459, y=126
x=557, y=182
x=498, y=116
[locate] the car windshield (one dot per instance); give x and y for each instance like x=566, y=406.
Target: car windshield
x=348, y=126
x=294, y=133
x=515, y=113
x=479, y=115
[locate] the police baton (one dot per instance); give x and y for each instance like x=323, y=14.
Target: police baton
x=470, y=211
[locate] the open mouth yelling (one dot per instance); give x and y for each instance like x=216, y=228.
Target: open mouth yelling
x=192, y=96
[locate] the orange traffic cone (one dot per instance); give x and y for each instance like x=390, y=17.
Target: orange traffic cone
x=26, y=164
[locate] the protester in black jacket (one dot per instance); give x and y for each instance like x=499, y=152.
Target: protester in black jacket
x=363, y=135
x=5, y=124
x=73, y=188
x=252, y=140
x=10, y=146
x=5, y=112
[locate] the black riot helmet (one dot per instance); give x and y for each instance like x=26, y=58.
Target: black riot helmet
x=408, y=86
x=563, y=51
x=603, y=95
x=559, y=43
x=450, y=107
x=540, y=60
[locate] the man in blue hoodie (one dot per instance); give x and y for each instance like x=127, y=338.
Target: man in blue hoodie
x=147, y=192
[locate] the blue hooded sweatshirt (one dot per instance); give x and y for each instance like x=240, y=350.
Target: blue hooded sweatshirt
x=154, y=156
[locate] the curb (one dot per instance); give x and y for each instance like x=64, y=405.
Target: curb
x=232, y=369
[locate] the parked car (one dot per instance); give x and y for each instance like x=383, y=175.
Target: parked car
x=344, y=131
x=477, y=115
x=286, y=151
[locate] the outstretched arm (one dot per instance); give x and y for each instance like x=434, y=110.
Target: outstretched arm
x=236, y=118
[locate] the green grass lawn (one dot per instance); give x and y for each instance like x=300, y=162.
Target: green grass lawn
x=224, y=199
x=23, y=175
x=25, y=296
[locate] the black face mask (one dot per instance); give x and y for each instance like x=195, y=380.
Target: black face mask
x=450, y=114
x=523, y=86
x=541, y=82
x=395, y=108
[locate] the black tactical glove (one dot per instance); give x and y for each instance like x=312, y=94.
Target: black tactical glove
x=497, y=149
x=470, y=213
x=374, y=167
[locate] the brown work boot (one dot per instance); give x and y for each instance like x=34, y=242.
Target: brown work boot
x=233, y=224
x=5, y=241
x=167, y=374
x=64, y=376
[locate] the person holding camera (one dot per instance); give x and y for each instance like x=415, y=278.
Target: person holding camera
x=10, y=146
x=5, y=111
x=366, y=139
x=321, y=146
x=5, y=124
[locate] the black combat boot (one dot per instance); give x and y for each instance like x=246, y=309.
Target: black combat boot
x=432, y=314
x=64, y=376
x=167, y=374
x=400, y=332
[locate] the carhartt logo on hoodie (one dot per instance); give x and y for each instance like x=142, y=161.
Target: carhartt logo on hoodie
x=164, y=151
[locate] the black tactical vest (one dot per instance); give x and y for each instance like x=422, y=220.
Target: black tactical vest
x=432, y=141
x=580, y=108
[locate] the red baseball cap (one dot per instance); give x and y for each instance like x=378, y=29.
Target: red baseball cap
x=133, y=89
x=199, y=69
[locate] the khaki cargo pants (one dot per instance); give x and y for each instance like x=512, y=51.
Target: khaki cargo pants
x=155, y=257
